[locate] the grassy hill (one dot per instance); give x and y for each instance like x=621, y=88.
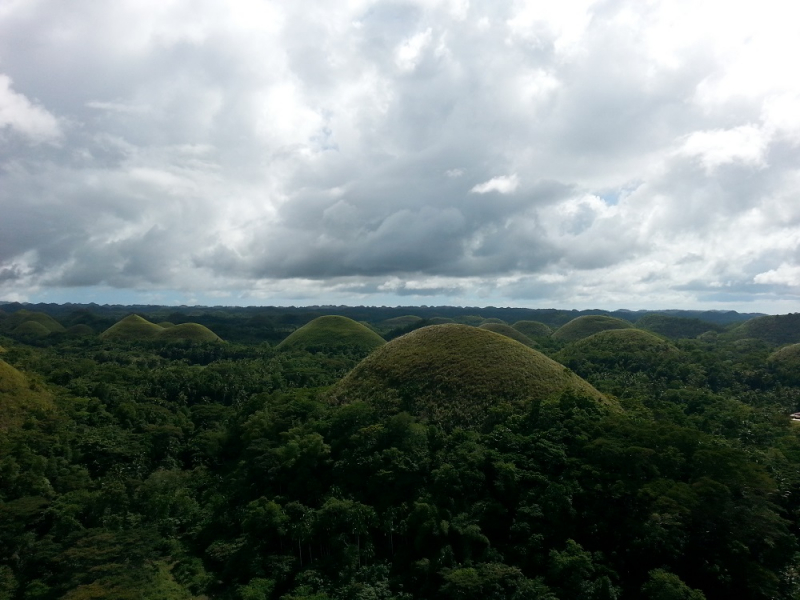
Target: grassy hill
x=631, y=349
x=583, y=327
x=774, y=329
x=31, y=329
x=533, y=329
x=27, y=316
x=80, y=330
x=192, y=332
x=457, y=375
x=134, y=327
x=18, y=396
x=329, y=333
x=676, y=327
x=510, y=332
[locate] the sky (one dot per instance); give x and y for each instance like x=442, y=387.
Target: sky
x=573, y=154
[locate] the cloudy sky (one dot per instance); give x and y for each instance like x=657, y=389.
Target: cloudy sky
x=572, y=154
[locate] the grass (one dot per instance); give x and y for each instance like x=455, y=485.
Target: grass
x=457, y=376
x=15, y=320
x=80, y=330
x=583, y=327
x=510, y=332
x=533, y=329
x=332, y=333
x=403, y=321
x=18, y=396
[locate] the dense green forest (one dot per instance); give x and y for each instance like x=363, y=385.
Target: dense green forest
x=397, y=453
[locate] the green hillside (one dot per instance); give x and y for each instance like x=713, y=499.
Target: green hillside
x=785, y=363
x=132, y=327
x=510, y=332
x=192, y=332
x=533, y=329
x=774, y=329
x=329, y=333
x=676, y=327
x=632, y=349
x=587, y=325
x=402, y=321
x=31, y=329
x=18, y=396
x=456, y=375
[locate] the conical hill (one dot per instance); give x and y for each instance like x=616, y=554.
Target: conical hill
x=193, y=332
x=454, y=375
x=332, y=333
x=132, y=327
x=632, y=349
x=587, y=325
x=533, y=329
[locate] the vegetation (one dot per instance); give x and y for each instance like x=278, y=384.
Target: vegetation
x=330, y=333
x=132, y=327
x=452, y=463
x=509, y=332
x=533, y=329
x=587, y=325
x=192, y=332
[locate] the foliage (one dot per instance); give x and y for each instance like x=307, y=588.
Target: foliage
x=509, y=332
x=332, y=333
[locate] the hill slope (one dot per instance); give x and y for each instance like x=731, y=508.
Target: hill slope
x=332, y=333
x=676, y=327
x=454, y=375
x=775, y=329
x=631, y=349
x=533, y=329
x=587, y=325
x=17, y=396
x=132, y=327
x=509, y=332
x=193, y=332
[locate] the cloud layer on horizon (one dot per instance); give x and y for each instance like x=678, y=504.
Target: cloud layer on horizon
x=606, y=154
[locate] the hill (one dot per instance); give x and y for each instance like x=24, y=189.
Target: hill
x=582, y=327
x=774, y=329
x=132, y=327
x=533, y=329
x=18, y=396
x=192, y=332
x=328, y=333
x=510, y=332
x=457, y=375
x=676, y=327
x=785, y=363
x=631, y=349
x=31, y=329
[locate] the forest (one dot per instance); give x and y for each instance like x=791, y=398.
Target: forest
x=377, y=453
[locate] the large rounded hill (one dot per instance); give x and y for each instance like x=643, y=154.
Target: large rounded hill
x=533, y=329
x=631, y=349
x=583, y=327
x=454, y=375
x=510, y=332
x=333, y=333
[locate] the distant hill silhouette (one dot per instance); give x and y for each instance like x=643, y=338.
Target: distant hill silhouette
x=775, y=329
x=676, y=327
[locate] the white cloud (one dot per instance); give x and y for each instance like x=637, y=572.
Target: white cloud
x=746, y=144
x=25, y=117
x=410, y=52
x=503, y=184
